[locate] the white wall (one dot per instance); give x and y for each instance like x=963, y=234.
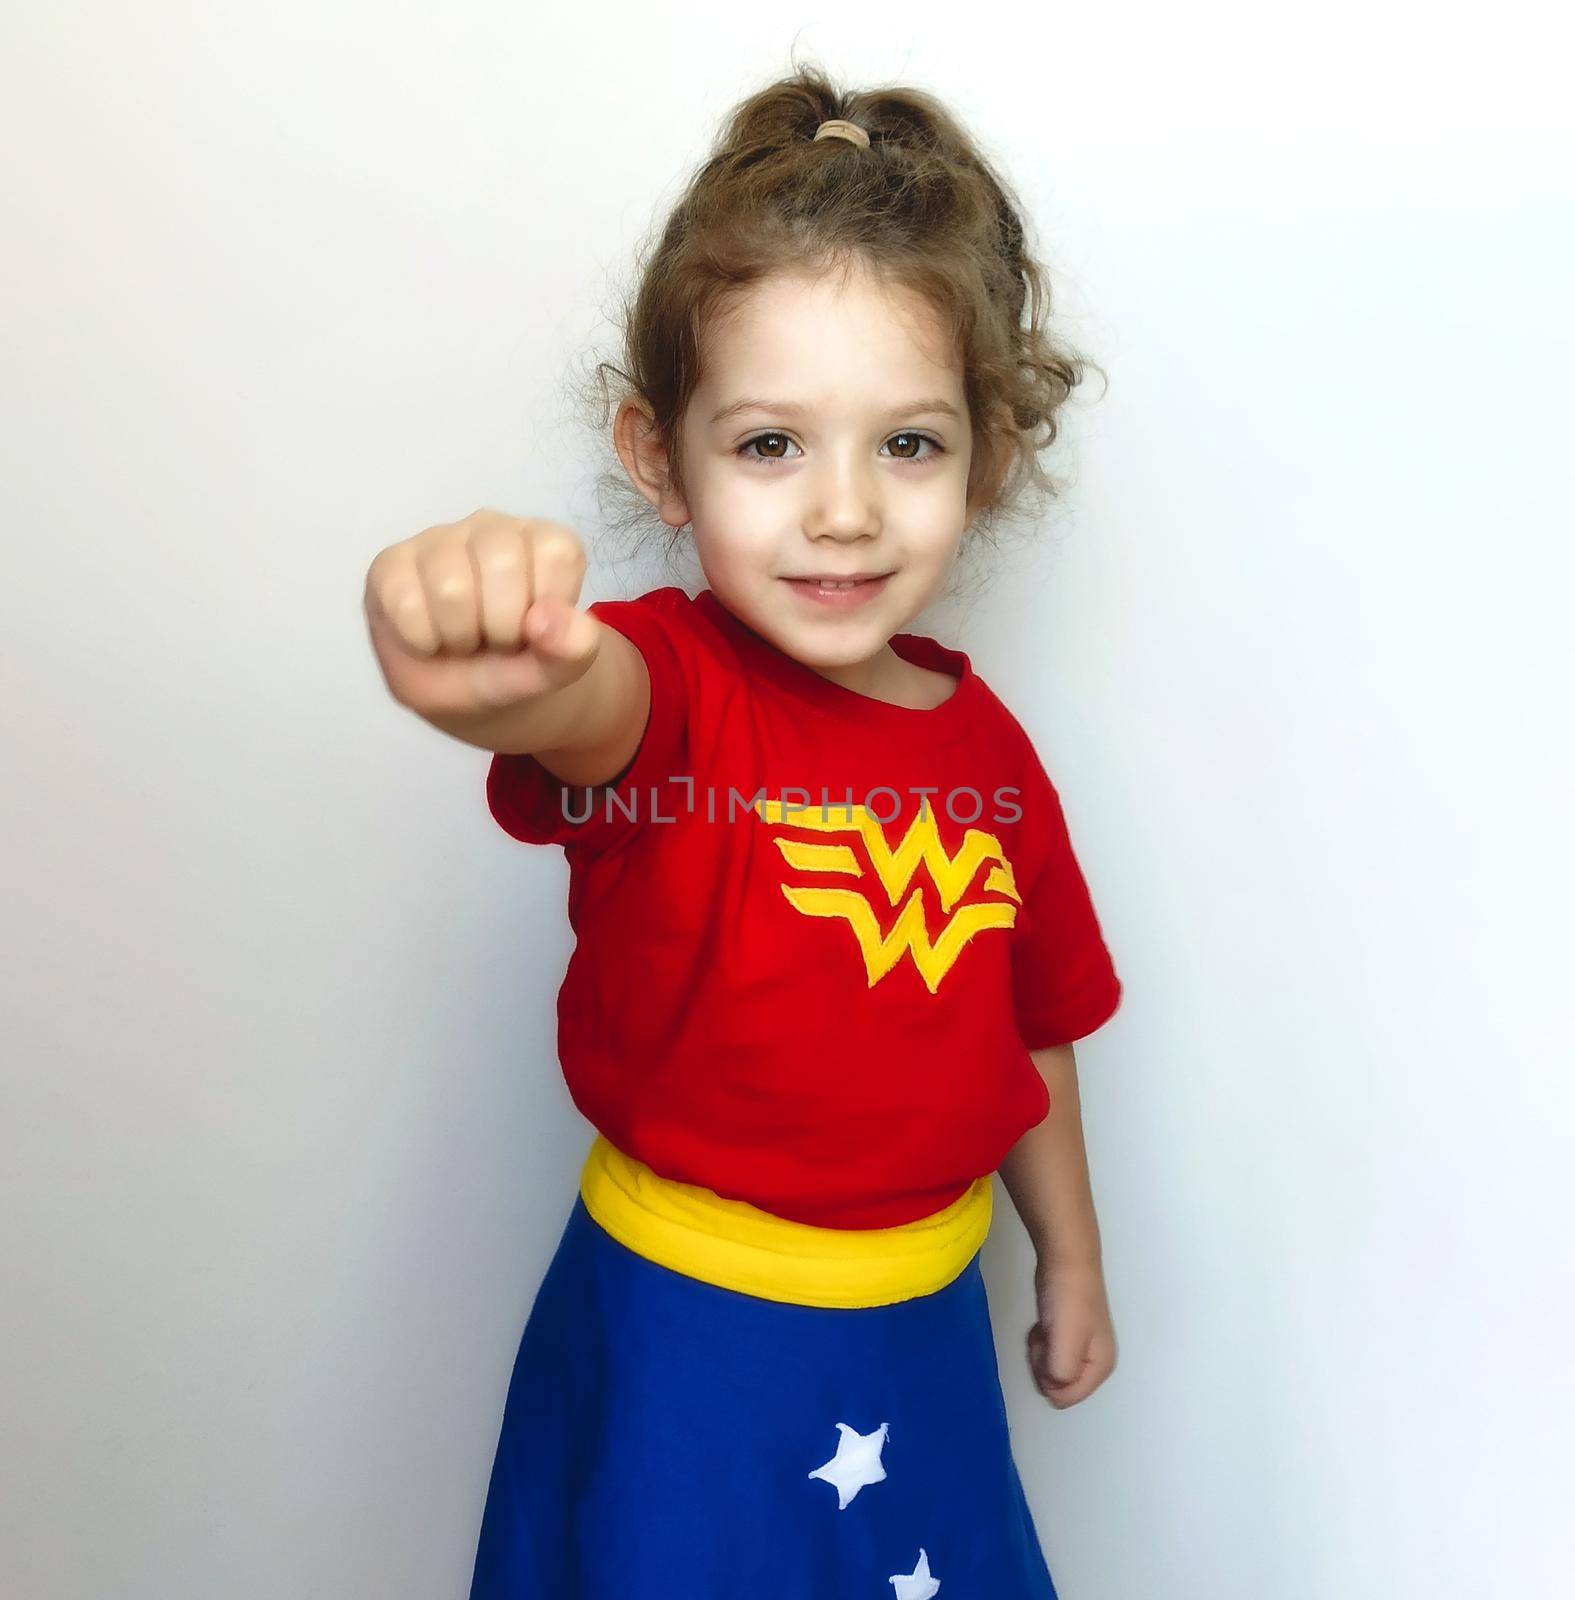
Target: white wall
x=283, y=1145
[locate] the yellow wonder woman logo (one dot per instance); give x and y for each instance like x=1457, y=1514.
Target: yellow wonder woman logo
x=895, y=871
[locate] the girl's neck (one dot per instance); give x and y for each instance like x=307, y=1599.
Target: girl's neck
x=886, y=676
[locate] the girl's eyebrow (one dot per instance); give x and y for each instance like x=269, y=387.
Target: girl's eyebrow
x=936, y=407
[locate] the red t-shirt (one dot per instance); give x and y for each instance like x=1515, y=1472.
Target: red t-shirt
x=828, y=1016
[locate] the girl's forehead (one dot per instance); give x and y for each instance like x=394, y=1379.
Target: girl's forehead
x=759, y=310
x=795, y=333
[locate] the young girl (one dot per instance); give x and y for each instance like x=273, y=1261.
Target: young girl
x=833, y=945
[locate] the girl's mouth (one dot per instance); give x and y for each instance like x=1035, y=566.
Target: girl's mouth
x=839, y=594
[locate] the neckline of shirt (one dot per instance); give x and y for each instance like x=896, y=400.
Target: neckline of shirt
x=953, y=714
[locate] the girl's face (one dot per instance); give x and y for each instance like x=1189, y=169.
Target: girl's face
x=829, y=438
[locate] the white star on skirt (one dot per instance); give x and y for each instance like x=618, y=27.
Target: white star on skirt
x=918, y=1584
x=856, y=1463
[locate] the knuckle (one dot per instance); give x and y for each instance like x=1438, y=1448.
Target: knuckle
x=441, y=563
x=386, y=570
x=559, y=545
x=445, y=536
x=404, y=601
x=451, y=586
x=496, y=552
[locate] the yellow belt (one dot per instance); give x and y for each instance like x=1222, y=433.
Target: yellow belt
x=700, y=1233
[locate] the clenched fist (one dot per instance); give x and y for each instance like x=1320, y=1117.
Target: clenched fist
x=473, y=617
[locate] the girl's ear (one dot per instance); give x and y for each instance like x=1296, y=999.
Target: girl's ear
x=638, y=442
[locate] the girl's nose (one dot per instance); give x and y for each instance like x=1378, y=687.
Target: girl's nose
x=844, y=504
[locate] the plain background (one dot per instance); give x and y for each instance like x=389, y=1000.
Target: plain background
x=284, y=1149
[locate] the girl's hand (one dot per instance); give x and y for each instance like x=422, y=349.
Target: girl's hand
x=1072, y=1347
x=470, y=618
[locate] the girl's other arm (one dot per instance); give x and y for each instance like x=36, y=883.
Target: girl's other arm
x=1046, y=1171
x=1072, y=1345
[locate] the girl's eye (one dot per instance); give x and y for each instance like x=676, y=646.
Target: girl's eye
x=936, y=447
x=776, y=440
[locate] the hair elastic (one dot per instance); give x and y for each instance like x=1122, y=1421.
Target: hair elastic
x=840, y=128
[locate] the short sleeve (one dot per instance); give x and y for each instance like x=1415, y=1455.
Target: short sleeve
x=1064, y=983
x=535, y=806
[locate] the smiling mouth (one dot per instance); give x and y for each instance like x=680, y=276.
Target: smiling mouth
x=829, y=581
x=838, y=592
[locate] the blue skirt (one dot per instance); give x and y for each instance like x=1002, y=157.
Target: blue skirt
x=667, y=1436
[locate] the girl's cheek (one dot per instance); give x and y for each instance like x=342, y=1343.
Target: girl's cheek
x=733, y=502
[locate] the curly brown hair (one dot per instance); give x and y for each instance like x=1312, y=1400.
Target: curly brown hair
x=920, y=208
